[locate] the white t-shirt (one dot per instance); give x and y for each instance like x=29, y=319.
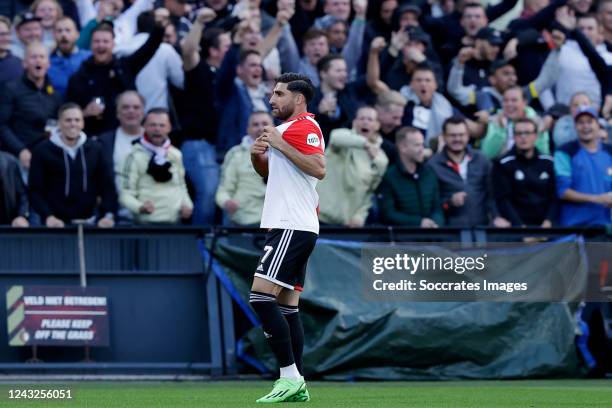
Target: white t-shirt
x=291, y=199
x=122, y=148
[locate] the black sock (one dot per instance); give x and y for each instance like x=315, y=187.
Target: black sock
x=274, y=325
x=296, y=329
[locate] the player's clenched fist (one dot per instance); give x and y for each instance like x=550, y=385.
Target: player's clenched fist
x=259, y=146
x=271, y=136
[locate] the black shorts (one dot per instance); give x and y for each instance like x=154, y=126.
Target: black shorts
x=285, y=257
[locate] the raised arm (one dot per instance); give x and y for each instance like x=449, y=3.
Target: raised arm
x=271, y=39
x=373, y=73
x=191, y=43
x=143, y=55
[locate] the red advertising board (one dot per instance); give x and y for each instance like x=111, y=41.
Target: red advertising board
x=57, y=316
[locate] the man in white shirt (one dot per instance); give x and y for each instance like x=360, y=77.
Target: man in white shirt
x=165, y=66
x=117, y=143
x=293, y=164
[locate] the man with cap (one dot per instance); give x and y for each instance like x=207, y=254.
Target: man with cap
x=29, y=29
x=584, y=174
x=407, y=49
x=475, y=61
x=502, y=76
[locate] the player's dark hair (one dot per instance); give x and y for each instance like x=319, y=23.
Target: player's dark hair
x=454, y=120
x=244, y=54
x=67, y=106
x=298, y=83
x=325, y=62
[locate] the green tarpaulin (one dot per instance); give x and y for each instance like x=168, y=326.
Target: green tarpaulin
x=348, y=337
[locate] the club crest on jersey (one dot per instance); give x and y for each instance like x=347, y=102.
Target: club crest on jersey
x=313, y=140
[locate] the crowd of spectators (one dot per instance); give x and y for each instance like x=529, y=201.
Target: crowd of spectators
x=435, y=113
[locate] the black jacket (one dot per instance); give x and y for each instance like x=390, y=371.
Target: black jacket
x=69, y=188
x=107, y=142
x=524, y=189
x=13, y=194
x=349, y=100
x=108, y=81
x=24, y=110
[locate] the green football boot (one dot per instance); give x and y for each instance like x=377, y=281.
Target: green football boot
x=301, y=396
x=283, y=389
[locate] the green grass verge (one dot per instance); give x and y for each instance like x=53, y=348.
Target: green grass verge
x=455, y=394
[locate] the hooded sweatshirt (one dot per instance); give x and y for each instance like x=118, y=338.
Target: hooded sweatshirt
x=66, y=181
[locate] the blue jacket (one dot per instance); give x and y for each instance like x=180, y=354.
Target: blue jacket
x=234, y=104
x=63, y=66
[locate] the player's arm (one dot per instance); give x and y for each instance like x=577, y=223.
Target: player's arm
x=259, y=158
x=311, y=164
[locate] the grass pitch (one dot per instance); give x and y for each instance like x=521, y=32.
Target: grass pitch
x=455, y=394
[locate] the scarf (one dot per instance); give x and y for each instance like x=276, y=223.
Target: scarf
x=159, y=166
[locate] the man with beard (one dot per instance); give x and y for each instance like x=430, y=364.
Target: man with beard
x=26, y=104
x=356, y=164
x=584, y=174
x=293, y=164
x=102, y=77
x=465, y=180
x=153, y=188
x=67, y=58
x=69, y=179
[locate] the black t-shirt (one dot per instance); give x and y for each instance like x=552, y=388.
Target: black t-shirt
x=200, y=117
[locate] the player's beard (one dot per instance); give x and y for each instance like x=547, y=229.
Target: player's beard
x=284, y=112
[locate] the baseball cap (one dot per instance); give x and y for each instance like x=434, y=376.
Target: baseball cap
x=558, y=110
x=497, y=64
x=586, y=110
x=491, y=35
x=412, y=8
x=417, y=34
x=25, y=18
